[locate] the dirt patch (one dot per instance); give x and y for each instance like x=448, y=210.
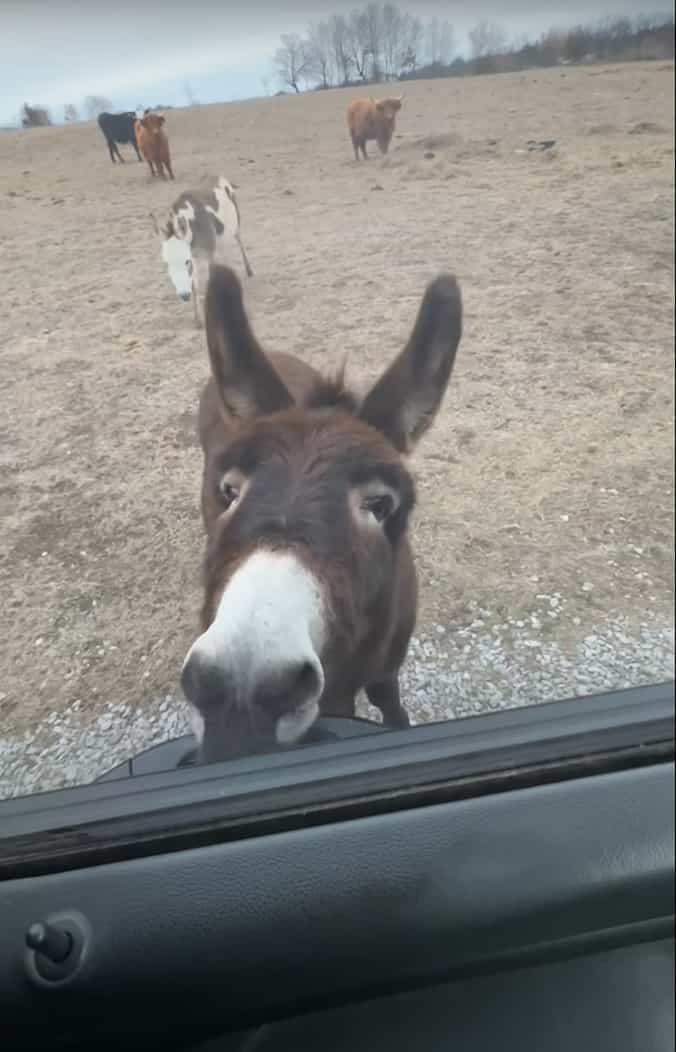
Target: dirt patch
x=550, y=468
x=647, y=128
x=437, y=142
x=603, y=129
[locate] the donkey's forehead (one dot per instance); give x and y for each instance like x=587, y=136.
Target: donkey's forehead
x=311, y=437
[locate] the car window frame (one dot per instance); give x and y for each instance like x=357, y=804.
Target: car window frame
x=153, y=813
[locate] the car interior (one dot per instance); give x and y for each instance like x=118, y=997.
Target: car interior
x=510, y=886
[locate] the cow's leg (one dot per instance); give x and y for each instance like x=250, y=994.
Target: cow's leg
x=355, y=146
x=168, y=167
x=112, y=149
x=247, y=265
x=160, y=169
x=152, y=169
x=363, y=150
x=385, y=696
x=117, y=151
x=138, y=152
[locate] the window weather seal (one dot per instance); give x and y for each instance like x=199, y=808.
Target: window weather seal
x=321, y=784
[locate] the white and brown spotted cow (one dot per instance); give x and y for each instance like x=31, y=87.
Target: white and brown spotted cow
x=202, y=227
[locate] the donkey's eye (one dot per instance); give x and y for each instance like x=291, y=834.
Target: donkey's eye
x=189, y=266
x=229, y=493
x=381, y=507
x=232, y=485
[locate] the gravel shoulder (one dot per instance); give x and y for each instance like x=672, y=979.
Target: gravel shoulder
x=481, y=668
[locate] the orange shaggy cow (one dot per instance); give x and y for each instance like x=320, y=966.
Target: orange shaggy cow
x=153, y=143
x=370, y=119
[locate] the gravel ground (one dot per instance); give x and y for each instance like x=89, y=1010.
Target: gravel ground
x=481, y=668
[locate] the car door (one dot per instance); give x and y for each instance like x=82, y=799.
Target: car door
x=511, y=885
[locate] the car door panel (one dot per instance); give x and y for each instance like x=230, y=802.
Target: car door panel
x=229, y=935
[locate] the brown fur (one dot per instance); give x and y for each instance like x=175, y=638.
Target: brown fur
x=153, y=144
x=305, y=445
x=369, y=119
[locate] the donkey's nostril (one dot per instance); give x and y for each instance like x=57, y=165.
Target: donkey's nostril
x=306, y=680
x=202, y=680
x=285, y=689
x=303, y=682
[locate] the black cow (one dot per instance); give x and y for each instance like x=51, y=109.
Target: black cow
x=118, y=127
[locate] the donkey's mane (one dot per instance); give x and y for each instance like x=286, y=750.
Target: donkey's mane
x=330, y=392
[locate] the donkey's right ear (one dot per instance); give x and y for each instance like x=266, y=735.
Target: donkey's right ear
x=403, y=403
x=247, y=383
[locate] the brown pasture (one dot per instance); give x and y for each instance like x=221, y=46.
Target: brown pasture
x=549, y=467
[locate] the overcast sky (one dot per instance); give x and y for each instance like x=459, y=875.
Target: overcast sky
x=58, y=51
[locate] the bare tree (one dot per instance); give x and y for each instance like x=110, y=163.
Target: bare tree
x=35, y=116
x=359, y=42
x=189, y=93
x=432, y=41
x=392, y=27
x=446, y=43
x=340, y=46
x=292, y=61
x=95, y=104
x=487, y=38
x=374, y=37
x=411, y=37
x=320, y=53
x=438, y=41
x=382, y=40
x=70, y=113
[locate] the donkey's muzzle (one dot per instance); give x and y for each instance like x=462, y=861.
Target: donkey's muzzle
x=275, y=693
x=259, y=659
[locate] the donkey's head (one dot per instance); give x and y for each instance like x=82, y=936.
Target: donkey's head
x=309, y=584
x=175, y=245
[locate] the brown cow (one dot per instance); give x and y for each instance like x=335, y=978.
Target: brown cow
x=372, y=119
x=153, y=143
x=310, y=588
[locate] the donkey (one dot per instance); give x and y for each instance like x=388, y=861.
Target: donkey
x=202, y=226
x=310, y=590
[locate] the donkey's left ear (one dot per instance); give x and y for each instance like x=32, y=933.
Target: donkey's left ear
x=245, y=378
x=403, y=403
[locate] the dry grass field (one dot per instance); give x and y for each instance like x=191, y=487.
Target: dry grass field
x=550, y=467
